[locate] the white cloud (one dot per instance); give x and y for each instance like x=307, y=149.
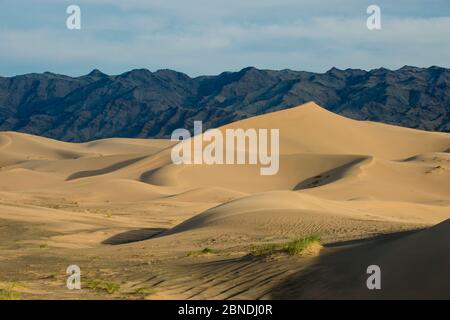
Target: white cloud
x=149, y=34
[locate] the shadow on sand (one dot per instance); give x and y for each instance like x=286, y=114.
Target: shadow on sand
x=111, y=168
x=340, y=272
x=133, y=236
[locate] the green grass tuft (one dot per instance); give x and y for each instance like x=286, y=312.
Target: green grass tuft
x=294, y=247
x=102, y=285
x=298, y=246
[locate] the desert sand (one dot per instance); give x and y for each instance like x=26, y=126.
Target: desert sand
x=137, y=223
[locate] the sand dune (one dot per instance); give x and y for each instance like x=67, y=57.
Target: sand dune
x=293, y=214
x=312, y=141
x=338, y=178
x=312, y=129
x=411, y=181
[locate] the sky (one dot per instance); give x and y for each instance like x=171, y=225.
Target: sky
x=203, y=37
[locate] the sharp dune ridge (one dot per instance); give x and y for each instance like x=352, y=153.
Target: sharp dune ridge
x=120, y=208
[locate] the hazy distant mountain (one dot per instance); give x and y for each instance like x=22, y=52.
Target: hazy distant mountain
x=140, y=103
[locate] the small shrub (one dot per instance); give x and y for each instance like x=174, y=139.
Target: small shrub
x=207, y=251
x=201, y=252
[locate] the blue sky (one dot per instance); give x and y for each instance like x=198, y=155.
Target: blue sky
x=209, y=36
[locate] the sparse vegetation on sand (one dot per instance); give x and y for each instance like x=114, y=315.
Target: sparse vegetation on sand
x=302, y=246
x=9, y=293
x=102, y=285
x=201, y=252
x=264, y=249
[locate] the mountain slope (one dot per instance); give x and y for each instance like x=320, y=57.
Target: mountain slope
x=141, y=104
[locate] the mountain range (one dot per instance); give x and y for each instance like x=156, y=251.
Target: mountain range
x=140, y=103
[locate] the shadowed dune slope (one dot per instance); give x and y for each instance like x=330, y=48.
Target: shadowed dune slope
x=412, y=267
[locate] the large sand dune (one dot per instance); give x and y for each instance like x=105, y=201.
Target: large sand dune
x=338, y=178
